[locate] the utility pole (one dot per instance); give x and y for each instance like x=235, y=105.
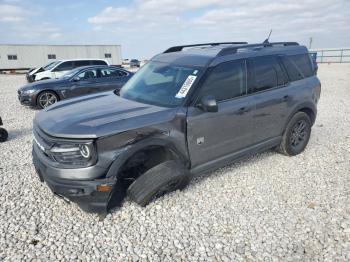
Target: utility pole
x=310, y=42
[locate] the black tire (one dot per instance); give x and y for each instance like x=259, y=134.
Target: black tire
x=3, y=135
x=157, y=181
x=296, y=135
x=40, y=100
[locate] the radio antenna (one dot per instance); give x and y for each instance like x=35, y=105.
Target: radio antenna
x=268, y=38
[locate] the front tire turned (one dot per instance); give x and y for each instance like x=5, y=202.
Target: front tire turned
x=3, y=135
x=296, y=135
x=162, y=179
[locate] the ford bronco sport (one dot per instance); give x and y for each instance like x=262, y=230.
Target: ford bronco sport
x=189, y=110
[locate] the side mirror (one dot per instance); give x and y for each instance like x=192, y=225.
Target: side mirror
x=208, y=104
x=76, y=79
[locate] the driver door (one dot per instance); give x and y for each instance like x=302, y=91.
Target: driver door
x=215, y=135
x=84, y=83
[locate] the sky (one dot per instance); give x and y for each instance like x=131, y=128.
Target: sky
x=147, y=27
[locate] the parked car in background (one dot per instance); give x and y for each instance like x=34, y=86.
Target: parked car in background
x=184, y=113
x=77, y=82
x=135, y=63
x=60, y=67
x=30, y=75
x=125, y=62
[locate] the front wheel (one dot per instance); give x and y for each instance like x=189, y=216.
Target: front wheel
x=296, y=136
x=3, y=135
x=46, y=98
x=158, y=181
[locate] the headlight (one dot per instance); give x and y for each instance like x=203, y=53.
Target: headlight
x=28, y=92
x=76, y=154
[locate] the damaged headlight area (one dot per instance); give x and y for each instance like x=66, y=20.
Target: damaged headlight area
x=74, y=154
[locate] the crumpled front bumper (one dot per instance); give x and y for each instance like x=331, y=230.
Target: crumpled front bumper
x=82, y=192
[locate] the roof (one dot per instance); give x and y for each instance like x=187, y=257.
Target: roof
x=202, y=55
x=78, y=59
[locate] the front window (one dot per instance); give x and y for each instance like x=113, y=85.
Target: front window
x=160, y=84
x=71, y=73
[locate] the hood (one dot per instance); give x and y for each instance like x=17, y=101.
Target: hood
x=99, y=115
x=40, y=84
x=36, y=70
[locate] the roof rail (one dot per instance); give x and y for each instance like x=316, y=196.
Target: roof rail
x=233, y=49
x=180, y=47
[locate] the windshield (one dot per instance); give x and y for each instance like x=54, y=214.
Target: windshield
x=51, y=65
x=160, y=84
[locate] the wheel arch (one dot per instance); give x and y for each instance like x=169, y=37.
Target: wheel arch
x=308, y=108
x=152, y=146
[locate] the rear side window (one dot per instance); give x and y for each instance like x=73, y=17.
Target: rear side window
x=303, y=63
x=226, y=81
x=292, y=71
x=65, y=66
x=99, y=62
x=80, y=63
x=268, y=73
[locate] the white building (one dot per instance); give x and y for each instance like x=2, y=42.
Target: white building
x=29, y=56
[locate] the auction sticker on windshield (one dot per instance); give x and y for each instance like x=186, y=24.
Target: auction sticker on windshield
x=186, y=86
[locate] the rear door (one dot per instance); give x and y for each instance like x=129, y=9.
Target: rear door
x=272, y=93
x=212, y=135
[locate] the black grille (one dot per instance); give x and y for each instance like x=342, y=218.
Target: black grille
x=46, y=141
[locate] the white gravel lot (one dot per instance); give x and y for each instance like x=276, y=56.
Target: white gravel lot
x=268, y=207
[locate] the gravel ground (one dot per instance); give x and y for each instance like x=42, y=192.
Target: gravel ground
x=268, y=207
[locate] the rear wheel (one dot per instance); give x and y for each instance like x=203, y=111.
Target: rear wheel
x=46, y=98
x=3, y=135
x=158, y=181
x=296, y=135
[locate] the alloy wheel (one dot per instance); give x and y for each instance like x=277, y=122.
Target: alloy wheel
x=299, y=134
x=47, y=99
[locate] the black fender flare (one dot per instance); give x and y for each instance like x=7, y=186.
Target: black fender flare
x=130, y=150
x=300, y=107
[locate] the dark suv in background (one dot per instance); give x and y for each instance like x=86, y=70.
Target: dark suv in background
x=189, y=110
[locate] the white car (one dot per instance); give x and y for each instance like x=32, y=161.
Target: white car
x=30, y=74
x=60, y=67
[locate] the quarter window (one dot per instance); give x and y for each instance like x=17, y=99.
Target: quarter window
x=303, y=63
x=268, y=73
x=226, y=81
x=108, y=55
x=51, y=56
x=12, y=57
x=293, y=72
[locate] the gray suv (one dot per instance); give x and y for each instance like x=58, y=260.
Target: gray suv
x=189, y=110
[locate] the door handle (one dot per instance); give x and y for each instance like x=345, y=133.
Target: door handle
x=285, y=98
x=242, y=110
